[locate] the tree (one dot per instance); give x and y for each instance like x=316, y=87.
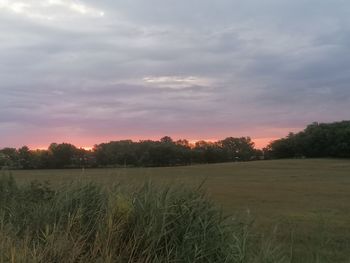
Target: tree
x=25, y=158
x=165, y=152
x=208, y=152
x=10, y=157
x=62, y=154
x=316, y=140
x=166, y=139
x=241, y=149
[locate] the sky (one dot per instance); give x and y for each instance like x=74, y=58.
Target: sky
x=93, y=71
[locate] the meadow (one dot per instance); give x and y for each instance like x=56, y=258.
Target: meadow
x=303, y=205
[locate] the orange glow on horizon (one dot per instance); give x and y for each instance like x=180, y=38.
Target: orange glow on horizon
x=260, y=143
x=87, y=148
x=39, y=148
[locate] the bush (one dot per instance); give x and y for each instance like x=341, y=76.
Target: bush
x=84, y=222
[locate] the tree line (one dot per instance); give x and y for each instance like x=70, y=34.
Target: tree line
x=126, y=153
x=317, y=140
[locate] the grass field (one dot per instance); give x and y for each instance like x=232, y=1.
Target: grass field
x=307, y=201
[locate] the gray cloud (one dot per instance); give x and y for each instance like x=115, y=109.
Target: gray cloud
x=87, y=71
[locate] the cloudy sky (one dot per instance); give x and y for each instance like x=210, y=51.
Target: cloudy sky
x=91, y=71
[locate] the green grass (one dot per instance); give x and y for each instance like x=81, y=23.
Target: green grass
x=304, y=204
x=85, y=222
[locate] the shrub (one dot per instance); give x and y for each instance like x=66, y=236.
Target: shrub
x=84, y=222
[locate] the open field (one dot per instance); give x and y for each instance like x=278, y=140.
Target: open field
x=308, y=200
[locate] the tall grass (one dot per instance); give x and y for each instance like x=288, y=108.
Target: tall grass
x=85, y=222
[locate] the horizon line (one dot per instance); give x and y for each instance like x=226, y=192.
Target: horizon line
x=259, y=143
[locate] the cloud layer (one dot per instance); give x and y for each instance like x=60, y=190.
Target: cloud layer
x=88, y=71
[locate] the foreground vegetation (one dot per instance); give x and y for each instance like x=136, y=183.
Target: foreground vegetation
x=302, y=205
x=84, y=222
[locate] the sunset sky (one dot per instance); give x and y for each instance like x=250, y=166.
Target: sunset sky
x=92, y=71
